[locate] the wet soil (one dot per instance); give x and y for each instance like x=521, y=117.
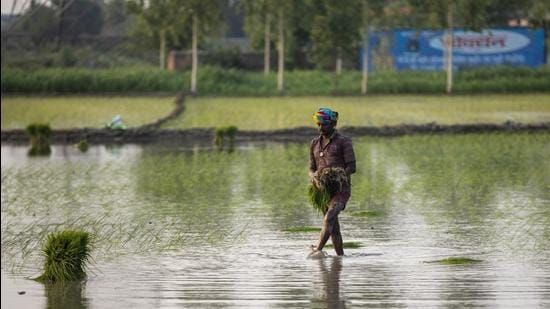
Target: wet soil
x=151, y=134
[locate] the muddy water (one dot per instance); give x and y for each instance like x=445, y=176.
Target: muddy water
x=177, y=226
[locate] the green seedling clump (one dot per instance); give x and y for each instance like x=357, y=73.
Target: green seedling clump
x=329, y=182
x=39, y=136
x=82, y=145
x=367, y=213
x=455, y=261
x=218, y=138
x=220, y=134
x=303, y=229
x=66, y=253
x=348, y=245
x=231, y=131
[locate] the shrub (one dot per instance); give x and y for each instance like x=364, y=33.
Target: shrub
x=233, y=82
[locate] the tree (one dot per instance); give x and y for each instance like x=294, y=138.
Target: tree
x=372, y=14
x=115, y=16
x=159, y=18
x=258, y=22
x=283, y=12
x=41, y=22
x=281, y=47
x=335, y=33
x=204, y=16
x=77, y=17
x=469, y=14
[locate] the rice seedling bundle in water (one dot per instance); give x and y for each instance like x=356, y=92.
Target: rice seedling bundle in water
x=329, y=182
x=66, y=253
x=39, y=135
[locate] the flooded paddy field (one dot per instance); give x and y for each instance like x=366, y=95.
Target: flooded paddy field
x=435, y=221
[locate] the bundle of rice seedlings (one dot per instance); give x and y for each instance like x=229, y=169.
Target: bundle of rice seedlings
x=221, y=133
x=66, y=254
x=82, y=145
x=329, y=182
x=218, y=137
x=39, y=136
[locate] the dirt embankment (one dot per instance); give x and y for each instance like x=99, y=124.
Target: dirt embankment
x=151, y=133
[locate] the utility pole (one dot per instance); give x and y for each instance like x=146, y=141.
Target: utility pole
x=60, y=24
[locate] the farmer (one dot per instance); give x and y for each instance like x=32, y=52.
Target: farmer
x=331, y=149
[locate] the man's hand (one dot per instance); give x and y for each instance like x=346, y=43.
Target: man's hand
x=313, y=178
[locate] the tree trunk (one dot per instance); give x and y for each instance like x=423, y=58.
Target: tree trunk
x=449, y=49
x=337, y=72
x=60, y=24
x=365, y=68
x=267, y=43
x=281, y=66
x=162, y=51
x=338, y=65
x=195, y=56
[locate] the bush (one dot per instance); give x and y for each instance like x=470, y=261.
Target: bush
x=232, y=82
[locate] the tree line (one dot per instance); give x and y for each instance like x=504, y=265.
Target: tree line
x=327, y=31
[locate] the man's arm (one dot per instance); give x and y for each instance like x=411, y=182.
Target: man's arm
x=349, y=157
x=312, y=163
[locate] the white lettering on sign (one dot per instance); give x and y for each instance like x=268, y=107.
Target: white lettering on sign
x=485, y=42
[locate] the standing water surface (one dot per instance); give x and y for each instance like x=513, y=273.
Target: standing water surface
x=194, y=227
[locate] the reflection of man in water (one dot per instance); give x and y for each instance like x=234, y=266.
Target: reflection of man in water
x=331, y=284
x=331, y=149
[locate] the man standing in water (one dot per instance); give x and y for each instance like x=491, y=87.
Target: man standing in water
x=331, y=149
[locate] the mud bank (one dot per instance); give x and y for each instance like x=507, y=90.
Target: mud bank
x=150, y=134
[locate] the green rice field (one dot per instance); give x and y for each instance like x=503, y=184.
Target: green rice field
x=288, y=112
x=462, y=221
x=80, y=112
x=269, y=113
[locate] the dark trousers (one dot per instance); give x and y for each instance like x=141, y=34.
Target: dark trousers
x=331, y=226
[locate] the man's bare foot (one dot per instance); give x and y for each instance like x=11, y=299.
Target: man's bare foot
x=316, y=253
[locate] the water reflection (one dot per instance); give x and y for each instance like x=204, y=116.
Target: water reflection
x=327, y=292
x=65, y=295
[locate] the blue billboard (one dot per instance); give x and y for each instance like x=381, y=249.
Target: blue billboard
x=424, y=49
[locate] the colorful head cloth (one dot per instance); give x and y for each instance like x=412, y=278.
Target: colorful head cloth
x=325, y=116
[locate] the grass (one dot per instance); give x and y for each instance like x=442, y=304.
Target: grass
x=288, y=112
x=66, y=253
x=348, y=245
x=455, y=261
x=366, y=214
x=82, y=111
x=303, y=229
